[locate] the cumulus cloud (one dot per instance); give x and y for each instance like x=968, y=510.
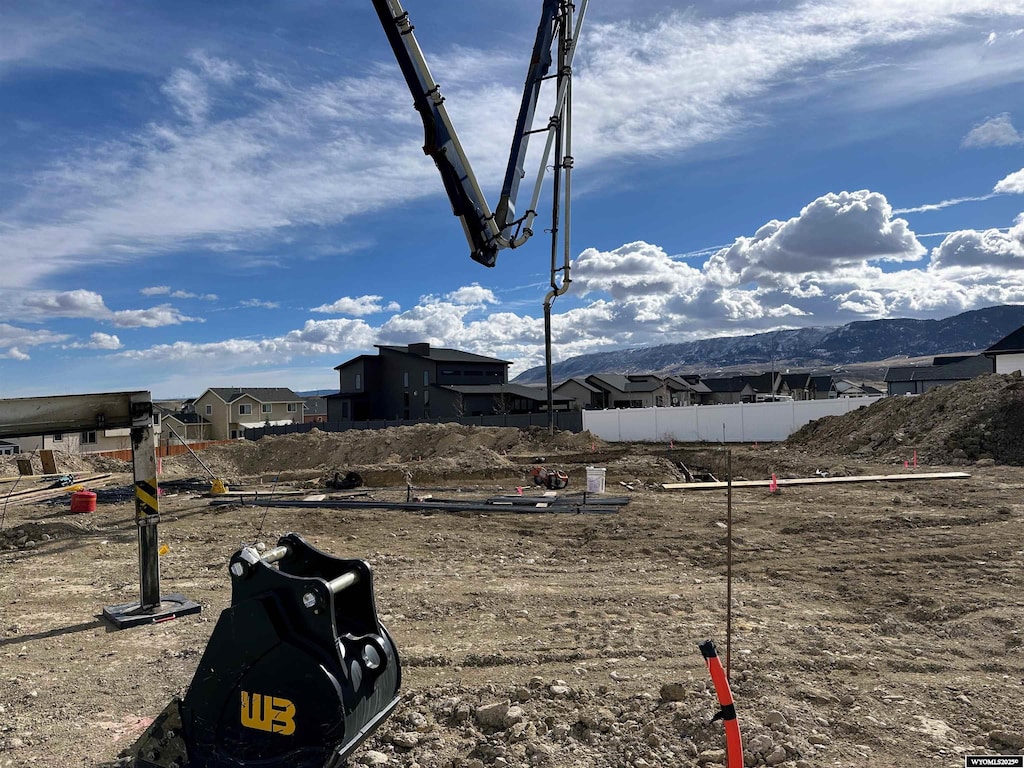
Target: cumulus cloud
x=836, y=230
x=14, y=339
x=1012, y=184
x=472, y=294
x=992, y=249
x=78, y=303
x=358, y=306
x=105, y=341
x=42, y=305
x=994, y=132
x=154, y=317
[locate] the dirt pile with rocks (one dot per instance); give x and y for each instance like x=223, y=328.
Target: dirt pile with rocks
x=977, y=420
x=449, y=449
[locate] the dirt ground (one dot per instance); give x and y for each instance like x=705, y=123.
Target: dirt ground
x=875, y=623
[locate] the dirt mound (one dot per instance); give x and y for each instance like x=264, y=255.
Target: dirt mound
x=981, y=419
x=449, y=447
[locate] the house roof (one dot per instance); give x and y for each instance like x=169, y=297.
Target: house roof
x=679, y=384
x=1012, y=342
x=538, y=394
x=579, y=382
x=796, y=380
x=822, y=382
x=761, y=382
x=315, y=405
x=355, y=360
x=968, y=368
x=260, y=394
x=637, y=382
x=730, y=384
x=442, y=354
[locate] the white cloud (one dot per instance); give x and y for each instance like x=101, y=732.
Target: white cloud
x=994, y=132
x=42, y=305
x=154, y=317
x=190, y=295
x=1012, y=184
x=472, y=294
x=358, y=306
x=836, y=230
x=13, y=339
x=104, y=341
x=259, y=304
x=78, y=303
x=156, y=290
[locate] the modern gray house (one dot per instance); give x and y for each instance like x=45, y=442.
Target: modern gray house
x=944, y=370
x=424, y=382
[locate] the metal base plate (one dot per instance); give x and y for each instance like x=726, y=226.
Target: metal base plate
x=133, y=614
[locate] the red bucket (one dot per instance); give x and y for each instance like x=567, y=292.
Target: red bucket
x=83, y=501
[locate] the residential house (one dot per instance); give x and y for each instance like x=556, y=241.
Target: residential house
x=687, y=389
x=797, y=385
x=418, y=382
x=944, y=370
x=765, y=385
x=232, y=410
x=730, y=389
x=631, y=391
x=8, y=449
x=89, y=441
x=498, y=399
x=1007, y=354
x=314, y=410
x=584, y=396
x=846, y=388
x=182, y=425
x=822, y=387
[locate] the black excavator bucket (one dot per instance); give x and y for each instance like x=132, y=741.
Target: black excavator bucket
x=297, y=673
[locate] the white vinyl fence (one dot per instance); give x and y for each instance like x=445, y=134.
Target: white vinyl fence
x=739, y=423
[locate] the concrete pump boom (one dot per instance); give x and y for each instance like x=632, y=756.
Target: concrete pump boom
x=486, y=232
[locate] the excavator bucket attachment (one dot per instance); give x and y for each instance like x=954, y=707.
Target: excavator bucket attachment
x=297, y=673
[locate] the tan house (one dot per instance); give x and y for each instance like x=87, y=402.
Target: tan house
x=231, y=410
x=90, y=441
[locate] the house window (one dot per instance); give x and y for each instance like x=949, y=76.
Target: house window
x=293, y=407
x=209, y=410
x=58, y=437
x=359, y=381
x=426, y=378
x=344, y=409
x=88, y=438
x=244, y=409
x=267, y=408
x=405, y=379
x=156, y=419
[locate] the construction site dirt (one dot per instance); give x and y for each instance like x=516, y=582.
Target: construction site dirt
x=876, y=623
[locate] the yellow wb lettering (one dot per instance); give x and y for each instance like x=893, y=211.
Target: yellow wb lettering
x=268, y=713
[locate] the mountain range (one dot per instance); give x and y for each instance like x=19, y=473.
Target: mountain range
x=857, y=342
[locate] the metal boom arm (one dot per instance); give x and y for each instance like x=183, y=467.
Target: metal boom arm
x=486, y=232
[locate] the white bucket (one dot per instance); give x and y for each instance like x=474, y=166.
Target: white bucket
x=595, y=479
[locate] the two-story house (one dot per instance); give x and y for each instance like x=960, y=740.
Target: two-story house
x=419, y=381
x=231, y=410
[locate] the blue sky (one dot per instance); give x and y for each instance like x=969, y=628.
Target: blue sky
x=234, y=194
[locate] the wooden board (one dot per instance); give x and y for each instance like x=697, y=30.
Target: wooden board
x=48, y=462
x=815, y=481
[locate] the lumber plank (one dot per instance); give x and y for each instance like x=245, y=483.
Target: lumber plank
x=815, y=481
